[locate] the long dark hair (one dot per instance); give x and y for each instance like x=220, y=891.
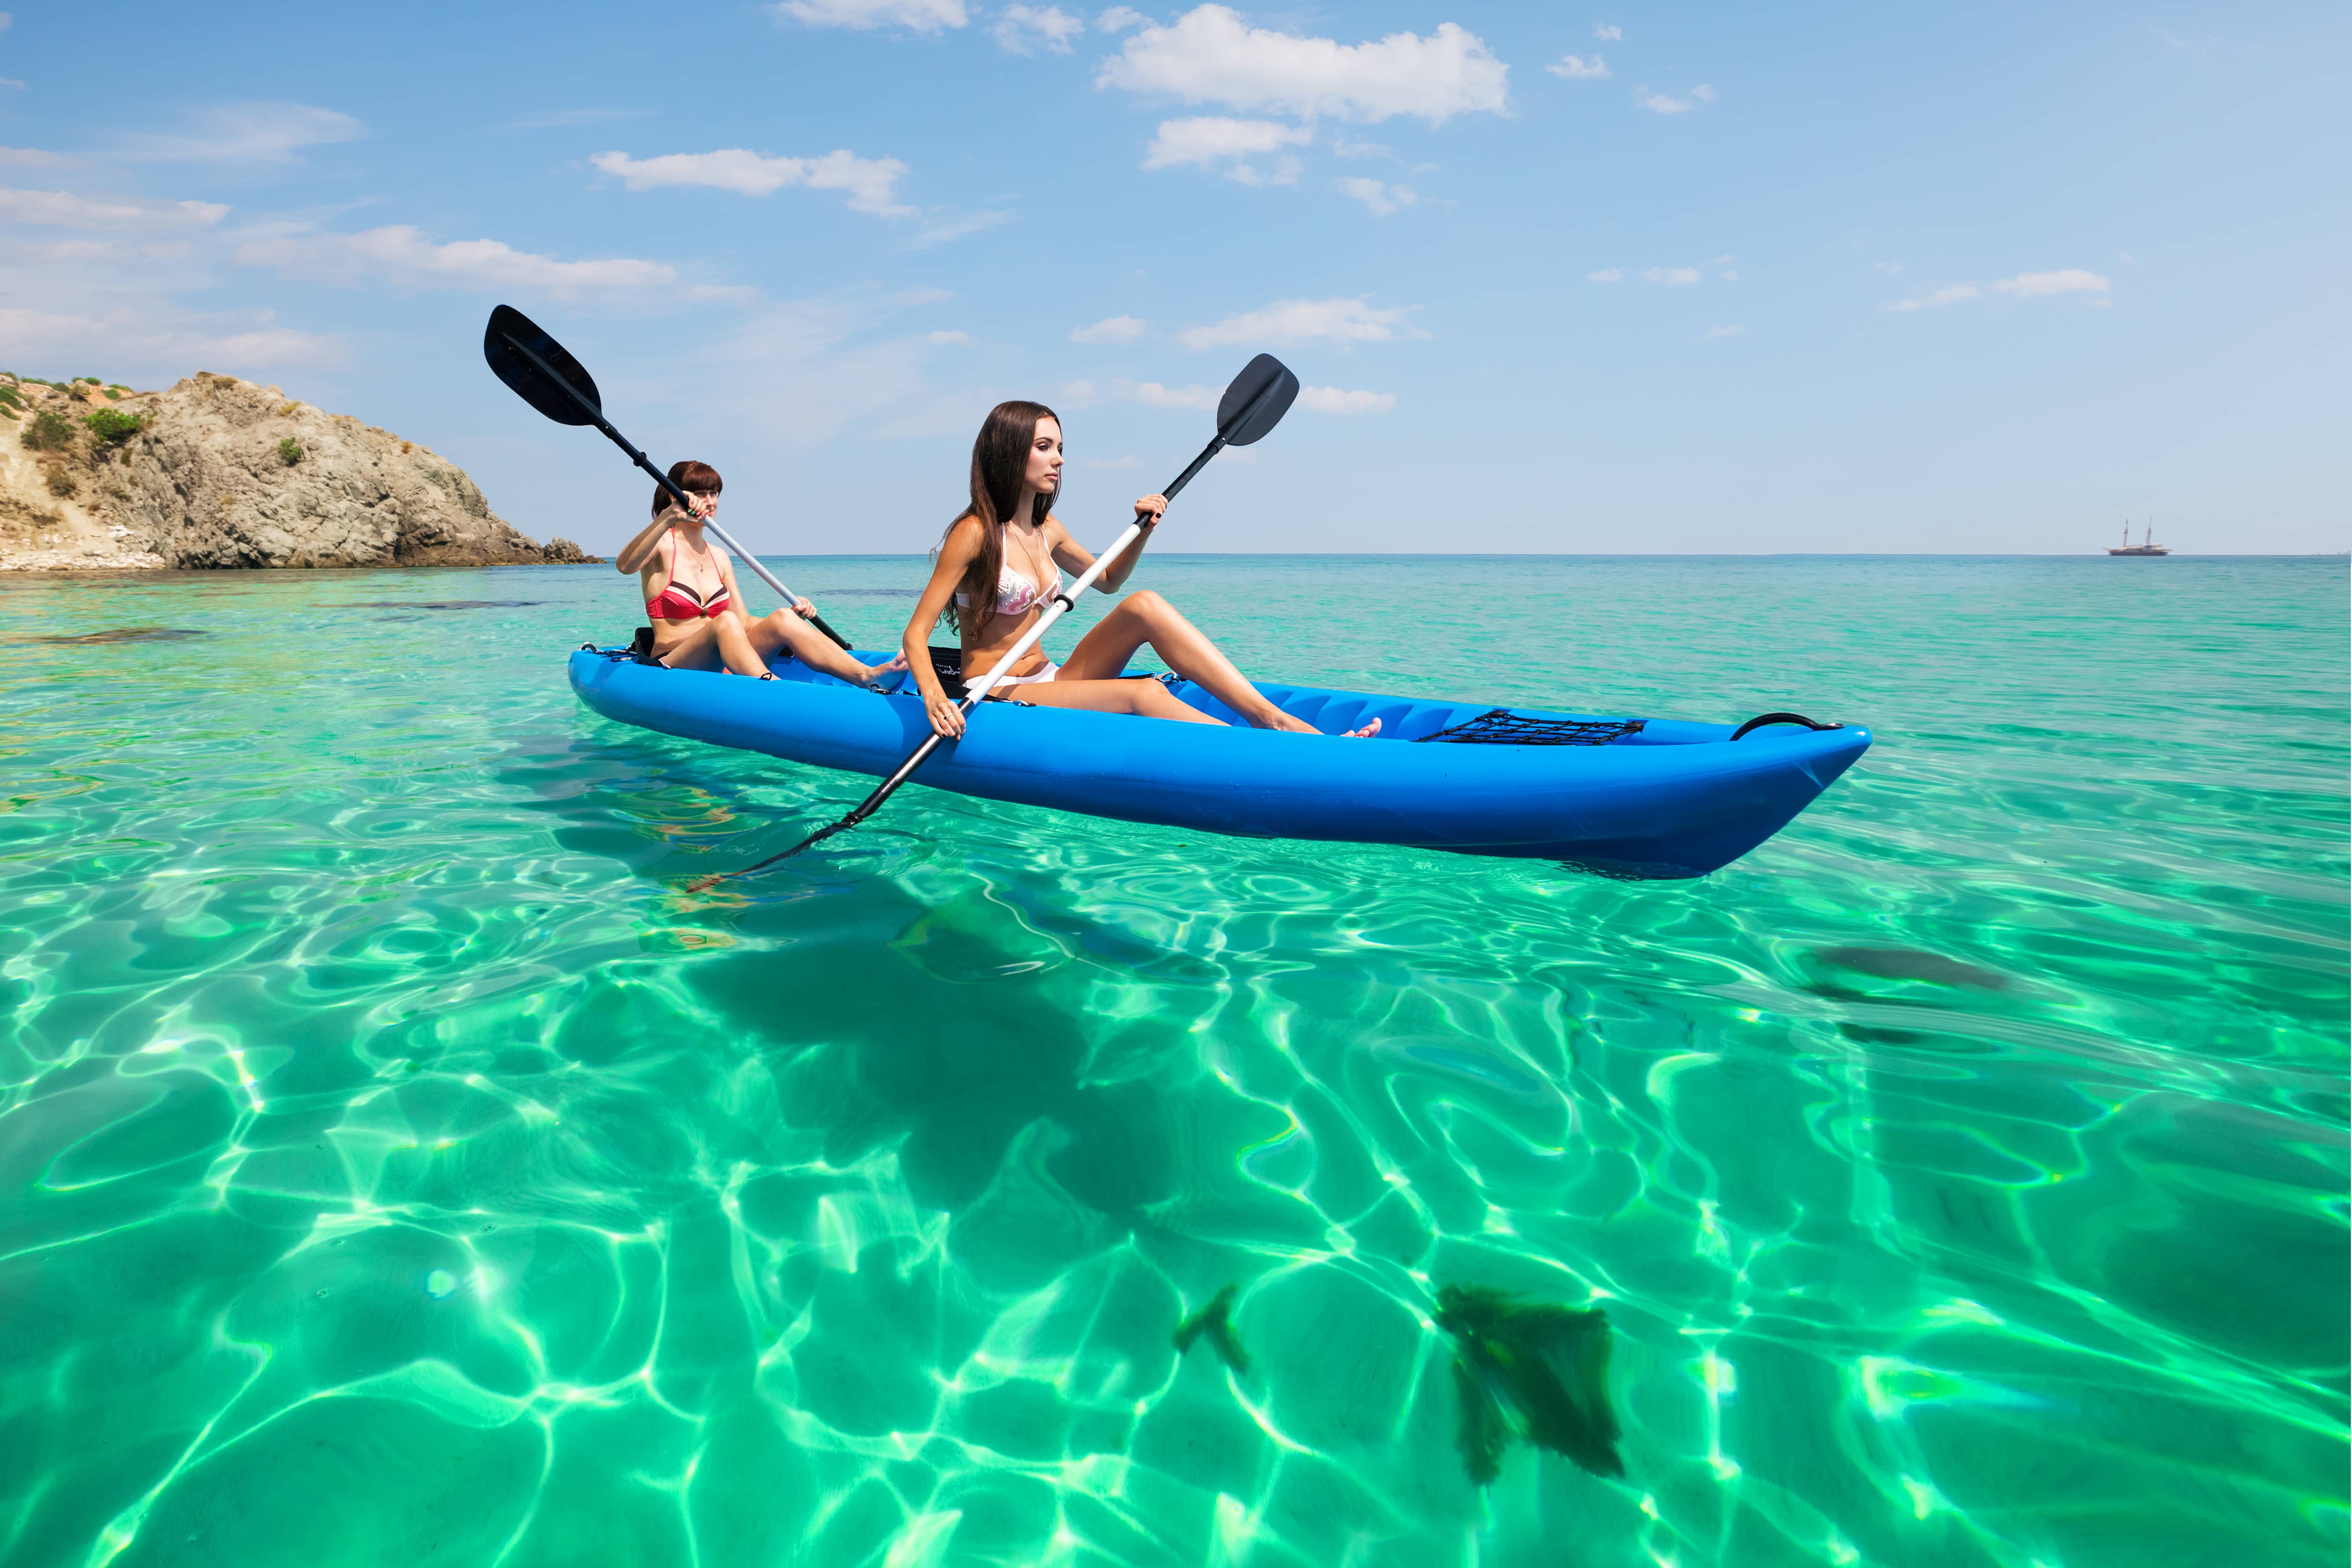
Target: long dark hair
x=1000, y=461
x=697, y=478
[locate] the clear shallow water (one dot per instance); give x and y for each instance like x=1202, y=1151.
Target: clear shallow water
x=395, y=1165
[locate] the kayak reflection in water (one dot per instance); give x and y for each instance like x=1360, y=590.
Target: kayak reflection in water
x=1000, y=563
x=698, y=622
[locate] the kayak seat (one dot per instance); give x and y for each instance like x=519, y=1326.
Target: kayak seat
x=947, y=663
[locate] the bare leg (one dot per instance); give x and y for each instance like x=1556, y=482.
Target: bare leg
x=719, y=642
x=1148, y=699
x=781, y=629
x=1146, y=618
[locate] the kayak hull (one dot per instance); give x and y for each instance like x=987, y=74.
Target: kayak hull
x=1673, y=800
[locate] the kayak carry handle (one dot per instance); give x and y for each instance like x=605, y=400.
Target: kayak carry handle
x=1763, y=718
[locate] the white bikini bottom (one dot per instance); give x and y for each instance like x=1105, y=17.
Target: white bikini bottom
x=1050, y=670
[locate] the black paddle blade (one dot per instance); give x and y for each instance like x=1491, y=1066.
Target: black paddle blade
x=528, y=382
x=1256, y=401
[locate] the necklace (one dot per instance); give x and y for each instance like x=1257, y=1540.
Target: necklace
x=1035, y=573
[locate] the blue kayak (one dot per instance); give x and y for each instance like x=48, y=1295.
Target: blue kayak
x=1630, y=797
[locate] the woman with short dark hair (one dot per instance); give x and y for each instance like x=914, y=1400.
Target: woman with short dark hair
x=698, y=622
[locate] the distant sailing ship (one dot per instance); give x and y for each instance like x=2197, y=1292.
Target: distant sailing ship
x=2145, y=547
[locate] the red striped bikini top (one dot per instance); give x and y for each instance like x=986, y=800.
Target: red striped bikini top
x=679, y=602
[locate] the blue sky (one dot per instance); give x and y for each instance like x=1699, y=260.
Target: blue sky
x=1608, y=279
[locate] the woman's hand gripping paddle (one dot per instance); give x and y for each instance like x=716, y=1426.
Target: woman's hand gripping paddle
x=545, y=375
x=1253, y=406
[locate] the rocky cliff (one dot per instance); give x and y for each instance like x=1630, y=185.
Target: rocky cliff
x=218, y=472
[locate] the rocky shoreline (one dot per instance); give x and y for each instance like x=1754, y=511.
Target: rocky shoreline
x=221, y=474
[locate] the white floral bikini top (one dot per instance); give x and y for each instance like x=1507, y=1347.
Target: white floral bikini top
x=1016, y=591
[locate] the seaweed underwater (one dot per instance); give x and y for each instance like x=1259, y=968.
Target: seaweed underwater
x=1216, y=1321
x=1548, y=1364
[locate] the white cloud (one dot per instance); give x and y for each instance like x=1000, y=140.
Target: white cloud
x=84, y=254
x=1211, y=55
x=1606, y=275
x=1331, y=400
x=922, y=15
x=956, y=228
x=68, y=210
x=4, y=19
x=1576, y=68
x=1607, y=34
x=1023, y=28
x=1286, y=171
x=1729, y=276
x=1724, y=331
x=1077, y=394
x=1110, y=330
x=15, y=84
x=1340, y=320
x=1210, y=139
x=1956, y=292
x=2024, y=286
x=806, y=372
x=1158, y=397
x=401, y=255
x=164, y=335
x=1673, y=277
x=249, y=133
x=870, y=182
x=1119, y=19
x=1379, y=199
x=1664, y=103
x=1350, y=147
x=2070, y=280
x=1892, y=268
x=949, y=338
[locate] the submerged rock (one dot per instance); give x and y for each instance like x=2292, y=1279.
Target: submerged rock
x=1531, y=1370
x=1910, y=963
x=126, y=634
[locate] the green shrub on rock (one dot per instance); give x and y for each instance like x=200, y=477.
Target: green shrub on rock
x=289, y=451
x=112, y=427
x=50, y=431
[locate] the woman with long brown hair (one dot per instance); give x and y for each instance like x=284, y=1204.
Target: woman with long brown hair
x=698, y=622
x=1000, y=563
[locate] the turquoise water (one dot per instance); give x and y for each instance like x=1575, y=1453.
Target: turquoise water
x=396, y=1165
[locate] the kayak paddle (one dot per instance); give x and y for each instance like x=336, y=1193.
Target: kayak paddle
x=543, y=373
x=1252, y=404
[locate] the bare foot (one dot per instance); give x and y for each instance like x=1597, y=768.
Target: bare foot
x=1281, y=720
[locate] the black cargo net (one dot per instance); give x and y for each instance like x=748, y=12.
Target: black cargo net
x=1503, y=728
